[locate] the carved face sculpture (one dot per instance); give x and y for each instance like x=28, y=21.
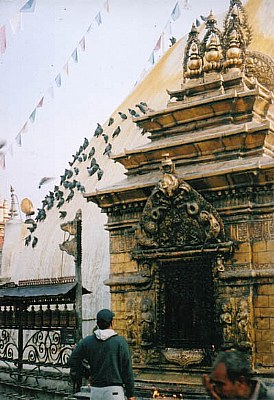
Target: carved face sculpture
x=168, y=184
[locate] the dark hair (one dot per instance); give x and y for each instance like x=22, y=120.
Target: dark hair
x=103, y=324
x=236, y=364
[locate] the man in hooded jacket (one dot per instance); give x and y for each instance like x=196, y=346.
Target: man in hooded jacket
x=109, y=359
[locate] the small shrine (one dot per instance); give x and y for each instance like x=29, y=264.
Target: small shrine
x=191, y=225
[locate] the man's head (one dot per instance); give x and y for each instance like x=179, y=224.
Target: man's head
x=104, y=318
x=231, y=375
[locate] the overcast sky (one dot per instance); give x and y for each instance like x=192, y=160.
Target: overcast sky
x=116, y=53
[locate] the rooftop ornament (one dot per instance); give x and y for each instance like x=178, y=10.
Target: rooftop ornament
x=218, y=51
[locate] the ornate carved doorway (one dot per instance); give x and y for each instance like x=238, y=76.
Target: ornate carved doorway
x=187, y=312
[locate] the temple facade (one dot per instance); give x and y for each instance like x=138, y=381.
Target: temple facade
x=191, y=225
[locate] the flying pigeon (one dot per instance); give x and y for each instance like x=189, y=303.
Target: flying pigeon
x=98, y=130
x=34, y=242
x=91, y=170
x=85, y=144
x=27, y=240
x=70, y=195
x=132, y=112
x=122, y=115
x=143, y=107
x=62, y=214
x=60, y=203
x=105, y=137
x=110, y=121
x=44, y=180
x=116, y=132
x=32, y=228
x=91, y=152
x=107, y=150
x=100, y=174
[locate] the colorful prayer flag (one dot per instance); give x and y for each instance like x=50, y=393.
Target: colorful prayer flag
x=29, y=6
x=40, y=104
x=176, y=12
x=66, y=68
x=158, y=44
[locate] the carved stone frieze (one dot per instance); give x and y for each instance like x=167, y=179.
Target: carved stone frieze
x=261, y=67
x=176, y=215
x=184, y=357
x=236, y=323
x=146, y=323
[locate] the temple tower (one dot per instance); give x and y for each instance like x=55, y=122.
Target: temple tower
x=191, y=226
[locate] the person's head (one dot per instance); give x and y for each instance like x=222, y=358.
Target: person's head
x=231, y=375
x=104, y=318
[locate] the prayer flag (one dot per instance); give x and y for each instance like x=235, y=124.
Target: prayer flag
x=75, y=56
x=151, y=58
x=18, y=139
x=82, y=43
x=106, y=5
x=40, y=104
x=3, y=41
x=66, y=68
x=33, y=115
x=176, y=12
x=25, y=127
x=158, y=44
x=2, y=161
x=98, y=18
x=90, y=28
x=16, y=23
x=58, y=80
x=29, y=6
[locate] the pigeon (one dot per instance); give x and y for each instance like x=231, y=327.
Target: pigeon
x=86, y=143
x=100, y=174
x=34, y=242
x=44, y=180
x=70, y=195
x=93, y=161
x=133, y=113
x=32, y=228
x=91, y=170
x=110, y=121
x=41, y=215
x=80, y=159
x=91, y=152
x=143, y=107
x=84, y=156
x=122, y=115
x=27, y=240
x=116, y=132
x=172, y=40
x=68, y=173
x=76, y=170
x=59, y=194
x=105, y=137
x=60, y=203
x=107, y=150
x=98, y=130
x=62, y=214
